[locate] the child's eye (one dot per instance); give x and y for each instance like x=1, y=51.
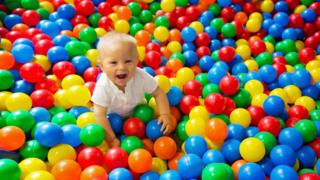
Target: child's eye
x=113, y=62
x=128, y=61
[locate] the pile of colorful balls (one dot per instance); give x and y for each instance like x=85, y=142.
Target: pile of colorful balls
x=242, y=79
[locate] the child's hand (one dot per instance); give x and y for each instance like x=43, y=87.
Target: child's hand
x=115, y=143
x=166, y=127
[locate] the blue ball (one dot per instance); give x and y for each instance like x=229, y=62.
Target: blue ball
x=318, y=49
x=188, y=47
x=22, y=53
x=204, y=21
x=64, y=24
x=224, y=3
x=81, y=63
x=309, y=15
x=221, y=64
x=10, y=20
x=188, y=34
x=66, y=11
x=266, y=165
x=285, y=79
x=317, y=123
x=307, y=157
x=49, y=134
x=190, y=166
x=164, y=61
x=277, y=53
x=174, y=96
x=283, y=155
x=213, y=156
x=236, y=131
x=266, y=23
x=40, y=114
x=153, y=130
x=115, y=122
x=289, y=33
x=23, y=41
x=170, y=175
x=283, y=172
x=16, y=74
x=251, y=171
x=267, y=15
x=50, y=28
x=211, y=31
x=150, y=175
x=275, y=30
x=61, y=40
x=291, y=137
x=273, y=85
x=318, y=166
x=281, y=6
x=71, y=135
x=251, y=131
x=191, y=58
x=196, y=145
x=119, y=174
x=57, y=54
x=54, y=16
x=22, y=86
x=253, y=75
x=301, y=78
x=311, y=91
x=230, y=150
x=239, y=68
x=76, y=111
x=236, y=7
x=215, y=74
x=268, y=73
x=228, y=42
x=215, y=44
x=205, y=63
x=149, y=70
x=208, y=14
x=281, y=18
x=273, y=106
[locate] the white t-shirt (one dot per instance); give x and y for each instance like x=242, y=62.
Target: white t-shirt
x=108, y=95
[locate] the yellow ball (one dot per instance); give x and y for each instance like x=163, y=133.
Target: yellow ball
x=299, y=45
x=40, y=175
x=3, y=97
x=196, y=25
x=161, y=33
x=307, y=102
x=47, y=5
x=92, y=55
x=315, y=74
x=254, y=87
x=71, y=80
x=61, y=152
x=267, y=6
x=18, y=101
x=184, y=75
x=100, y=31
x=175, y=82
x=43, y=62
x=290, y=68
x=253, y=25
x=122, y=26
x=152, y=103
x=163, y=82
x=299, y=9
x=55, y=78
x=85, y=119
x=240, y=116
x=270, y=47
x=213, y=144
x=167, y=5
x=6, y=44
x=195, y=126
x=60, y=99
x=174, y=47
x=258, y=99
x=293, y=93
x=257, y=16
x=113, y=17
x=244, y=51
x=158, y=165
x=252, y=149
x=141, y=52
x=252, y=65
x=200, y=112
x=281, y=93
x=240, y=42
x=78, y=95
x=312, y=65
x=30, y=165
x=103, y=146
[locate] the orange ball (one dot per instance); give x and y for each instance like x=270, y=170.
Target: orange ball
x=150, y=27
x=165, y=147
x=142, y=37
x=124, y=12
x=174, y=65
x=173, y=163
x=140, y=161
x=12, y=138
x=237, y=165
x=216, y=130
x=241, y=17
x=78, y=28
x=20, y=27
x=94, y=172
x=175, y=112
x=196, y=69
x=148, y=145
x=66, y=169
x=174, y=35
x=166, y=52
x=67, y=33
x=6, y=60
x=252, y=39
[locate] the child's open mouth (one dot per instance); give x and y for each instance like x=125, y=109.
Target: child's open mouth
x=121, y=76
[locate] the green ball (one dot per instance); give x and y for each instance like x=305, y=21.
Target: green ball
x=243, y=78
x=242, y=98
x=217, y=23
x=133, y=20
x=264, y=58
x=33, y=149
x=5, y=114
x=292, y=58
x=55, y=110
x=306, y=170
x=299, y=66
x=6, y=79
x=9, y=169
x=269, y=39
x=76, y=48
x=12, y=4
x=289, y=46
x=215, y=9
x=2, y=15
x=63, y=118
x=88, y=35
x=181, y=130
x=44, y=14
x=154, y=7
x=30, y=4
x=145, y=16
x=282, y=123
x=307, y=129
x=181, y=3
x=228, y=30
x=136, y=28
x=143, y=112
x=209, y=89
x=185, y=118
x=280, y=46
x=92, y=135
x=268, y=140
x=217, y=171
x=223, y=117
x=131, y=143
x=215, y=55
x=135, y=8
x=94, y=19
x=178, y=56
x=315, y=115
x=162, y=21
x=306, y=2
x=202, y=78
x=2, y=122
x=22, y=119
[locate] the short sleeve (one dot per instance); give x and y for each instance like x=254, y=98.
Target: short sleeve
x=99, y=96
x=148, y=82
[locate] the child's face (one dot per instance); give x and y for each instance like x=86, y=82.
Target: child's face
x=119, y=63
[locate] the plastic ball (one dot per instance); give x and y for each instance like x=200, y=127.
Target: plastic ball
x=140, y=161
x=7, y=60
x=226, y=53
x=190, y=166
x=307, y=157
x=268, y=140
x=307, y=129
x=273, y=105
x=32, y=148
x=116, y=158
x=184, y=75
x=215, y=103
x=153, y=130
x=93, y=172
x=270, y=124
x=89, y=156
x=165, y=148
x=120, y=173
x=302, y=78
x=66, y=169
x=240, y=116
x=9, y=169
x=71, y=134
x=251, y=171
x=306, y=102
x=31, y=72
x=134, y=127
x=131, y=143
x=283, y=172
x=143, y=112
x=252, y=149
x=61, y=152
x=196, y=145
x=7, y=78
x=39, y=174
x=230, y=150
x=216, y=129
x=44, y=134
x=283, y=155
x=22, y=119
x=92, y=135
x=229, y=85
x=12, y=138
x=217, y=171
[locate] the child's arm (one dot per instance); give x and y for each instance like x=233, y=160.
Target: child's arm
x=164, y=110
x=100, y=114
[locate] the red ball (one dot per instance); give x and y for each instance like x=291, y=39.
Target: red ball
x=203, y=39
x=317, y=23
x=18, y=11
x=105, y=8
x=116, y=158
x=30, y=33
x=239, y=26
x=291, y=121
x=31, y=18
x=309, y=176
x=312, y=42
x=215, y=103
x=187, y=103
x=245, y=35
x=153, y=59
x=315, y=145
x=226, y=53
x=172, y=17
x=90, y=156
x=270, y=124
x=256, y=113
x=3, y=31
x=203, y=51
x=42, y=98
x=91, y=74
x=316, y=7
x=306, y=54
x=257, y=47
x=31, y=72
x=229, y=85
x=164, y=71
x=85, y=8
x=180, y=11
x=57, y=3
x=134, y=127
x=63, y=68
x=90, y=85
x=106, y=23
x=296, y=21
x=79, y=19
x=152, y=46
x=114, y=2
x=14, y=35
x=279, y=59
x=230, y=105
x=228, y=13
x=47, y=84
x=299, y=112
x=193, y=87
x=250, y=7
x=43, y=46
x=309, y=29
x=193, y=12
x=292, y=4
x=280, y=68
x=182, y=22
x=160, y=13
x=40, y=36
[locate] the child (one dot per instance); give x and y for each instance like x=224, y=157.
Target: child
x=122, y=85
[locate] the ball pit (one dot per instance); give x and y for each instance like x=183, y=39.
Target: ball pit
x=242, y=79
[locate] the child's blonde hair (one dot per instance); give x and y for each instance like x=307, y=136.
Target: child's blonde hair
x=110, y=39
